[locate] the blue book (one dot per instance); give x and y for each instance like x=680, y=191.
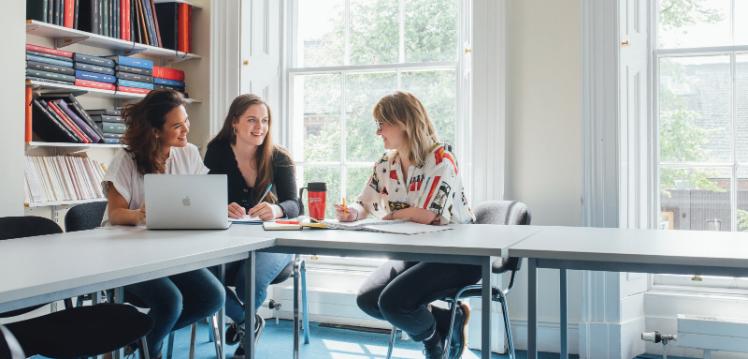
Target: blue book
x=142, y=85
x=167, y=82
x=92, y=76
x=48, y=60
x=134, y=62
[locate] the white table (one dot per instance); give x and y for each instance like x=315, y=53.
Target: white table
x=624, y=250
x=467, y=244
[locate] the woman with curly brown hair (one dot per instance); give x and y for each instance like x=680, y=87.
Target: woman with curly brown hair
x=156, y=141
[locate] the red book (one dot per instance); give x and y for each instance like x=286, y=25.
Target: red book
x=168, y=73
x=69, y=13
x=29, y=97
x=94, y=84
x=133, y=90
x=125, y=20
x=68, y=122
x=47, y=50
x=183, y=27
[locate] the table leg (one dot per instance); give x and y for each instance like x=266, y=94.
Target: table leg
x=532, y=310
x=564, y=315
x=249, y=306
x=486, y=309
x=119, y=298
x=221, y=318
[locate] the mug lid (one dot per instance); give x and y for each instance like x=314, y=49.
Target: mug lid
x=316, y=187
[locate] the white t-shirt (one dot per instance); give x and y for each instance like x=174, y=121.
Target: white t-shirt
x=124, y=176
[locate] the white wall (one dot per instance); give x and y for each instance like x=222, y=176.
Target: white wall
x=11, y=102
x=544, y=144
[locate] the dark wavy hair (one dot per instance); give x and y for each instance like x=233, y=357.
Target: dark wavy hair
x=264, y=154
x=144, y=119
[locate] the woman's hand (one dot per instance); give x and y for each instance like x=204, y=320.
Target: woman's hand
x=418, y=215
x=264, y=211
x=345, y=214
x=236, y=211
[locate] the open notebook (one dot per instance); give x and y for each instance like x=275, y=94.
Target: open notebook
x=385, y=226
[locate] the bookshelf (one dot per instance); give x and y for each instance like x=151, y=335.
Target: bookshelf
x=197, y=77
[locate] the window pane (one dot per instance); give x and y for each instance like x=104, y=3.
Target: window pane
x=694, y=109
x=363, y=91
x=741, y=22
x=320, y=33
x=695, y=198
x=437, y=91
x=357, y=179
x=430, y=30
x=741, y=109
x=331, y=176
x=375, y=34
x=321, y=111
x=693, y=23
x=742, y=214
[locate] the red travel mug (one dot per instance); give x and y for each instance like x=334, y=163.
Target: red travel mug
x=316, y=193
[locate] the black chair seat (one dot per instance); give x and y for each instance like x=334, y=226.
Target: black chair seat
x=286, y=273
x=83, y=331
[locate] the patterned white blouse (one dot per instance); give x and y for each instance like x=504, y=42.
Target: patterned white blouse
x=436, y=186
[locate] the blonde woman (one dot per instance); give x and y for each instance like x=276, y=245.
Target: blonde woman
x=418, y=180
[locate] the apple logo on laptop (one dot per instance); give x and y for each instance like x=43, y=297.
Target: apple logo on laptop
x=186, y=201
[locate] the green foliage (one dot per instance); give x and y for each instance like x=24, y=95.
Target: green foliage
x=679, y=13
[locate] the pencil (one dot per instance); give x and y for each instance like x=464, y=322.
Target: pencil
x=345, y=207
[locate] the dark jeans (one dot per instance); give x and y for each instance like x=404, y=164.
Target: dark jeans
x=267, y=268
x=175, y=302
x=399, y=292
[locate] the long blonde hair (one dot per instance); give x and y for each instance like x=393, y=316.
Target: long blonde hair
x=404, y=109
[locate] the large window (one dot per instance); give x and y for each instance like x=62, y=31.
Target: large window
x=345, y=55
x=701, y=62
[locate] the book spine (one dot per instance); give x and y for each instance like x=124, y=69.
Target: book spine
x=27, y=108
x=94, y=84
x=108, y=118
x=110, y=127
x=78, y=121
x=50, y=75
x=62, y=120
x=172, y=83
x=96, y=16
x=154, y=19
x=76, y=12
x=49, y=56
x=142, y=85
x=125, y=21
x=183, y=27
x=140, y=91
x=46, y=50
x=168, y=73
x=134, y=70
x=93, y=60
x=135, y=62
x=68, y=122
x=92, y=76
x=51, y=68
x=94, y=68
x=134, y=77
x=83, y=114
x=69, y=13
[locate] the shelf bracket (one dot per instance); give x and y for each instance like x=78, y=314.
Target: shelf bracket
x=61, y=42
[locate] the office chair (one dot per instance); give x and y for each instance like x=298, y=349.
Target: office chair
x=89, y=216
x=490, y=212
x=74, y=332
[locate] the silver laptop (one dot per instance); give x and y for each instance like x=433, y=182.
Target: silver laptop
x=186, y=201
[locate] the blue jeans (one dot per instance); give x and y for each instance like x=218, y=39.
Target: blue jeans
x=175, y=302
x=267, y=268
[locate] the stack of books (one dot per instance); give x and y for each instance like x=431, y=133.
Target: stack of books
x=62, y=178
x=49, y=65
x=134, y=74
x=110, y=123
x=61, y=118
x=94, y=71
x=166, y=77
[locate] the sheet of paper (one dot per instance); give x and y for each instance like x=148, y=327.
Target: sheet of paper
x=246, y=220
x=405, y=228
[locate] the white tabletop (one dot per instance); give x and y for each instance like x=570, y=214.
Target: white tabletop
x=110, y=255
x=461, y=240
x=692, y=248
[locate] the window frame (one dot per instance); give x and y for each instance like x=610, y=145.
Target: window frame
x=461, y=67
x=707, y=284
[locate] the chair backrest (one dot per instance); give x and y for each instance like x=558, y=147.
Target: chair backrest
x=9, y=347
x=84, y=216
x=504, y=212
x=25, y=226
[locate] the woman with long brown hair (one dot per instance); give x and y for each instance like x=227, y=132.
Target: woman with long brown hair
x=262, y=184
x=156, y=142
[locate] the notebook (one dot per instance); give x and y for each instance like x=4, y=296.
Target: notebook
x=245, y=220
x=386, y=226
